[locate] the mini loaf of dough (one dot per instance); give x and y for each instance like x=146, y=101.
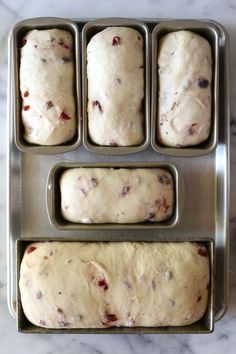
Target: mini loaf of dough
x=185, y=73
x=106, y=195
x=115, y=71
x=97, y=285
x=46, y=84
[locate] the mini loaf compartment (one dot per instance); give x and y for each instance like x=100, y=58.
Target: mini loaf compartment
x=54, y=197
x=18, y=33
x=89, y=30
x=210, y=32
x=204, y=325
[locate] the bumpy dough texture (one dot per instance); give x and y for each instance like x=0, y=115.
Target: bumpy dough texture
x=115, y=72
x=96, y=285
x=185, y=72
x=100, y=195
x=46, y=84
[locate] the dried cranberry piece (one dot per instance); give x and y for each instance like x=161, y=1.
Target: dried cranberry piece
x=64, y=116
x=92, y=183
x=116, y=40
x=141, y=107
x=125, y=190
x=164, y=179
x=63, y=323
x=150, y=216
x=62, y=43
x=203, y=83
x=49, y=104
x=191, y=129
x=113, y=143
x=165, y=206
x=31, y=249
x=199, y=298
x=65, y=60
x=103, y=284
x=23, y=43
x=110, y=317
x=98, y=104
x=26, y=94
x=39, y=295
x=202, y=252
x=26, y=108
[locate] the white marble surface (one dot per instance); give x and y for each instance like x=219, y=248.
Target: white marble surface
x=223, y=340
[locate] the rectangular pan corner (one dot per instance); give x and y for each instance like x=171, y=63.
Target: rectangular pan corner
x=90, y=29
x=209, y=31
x=17, y=33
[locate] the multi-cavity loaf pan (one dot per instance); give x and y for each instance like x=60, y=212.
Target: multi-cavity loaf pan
x=151, y=35
x=33, y=199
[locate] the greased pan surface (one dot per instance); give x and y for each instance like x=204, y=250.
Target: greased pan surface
x=209, y=31
x=54, y=197
x=19, y=30
x=206, y=207
x=205, y=325
x=90, y=29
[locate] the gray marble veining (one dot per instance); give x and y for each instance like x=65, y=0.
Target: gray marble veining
x=223, y=340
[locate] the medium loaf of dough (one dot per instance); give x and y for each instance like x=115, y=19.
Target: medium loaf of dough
x=46, y=84
x=97, y=285
x=106, y=195
x=115, y=72
x=185, y=74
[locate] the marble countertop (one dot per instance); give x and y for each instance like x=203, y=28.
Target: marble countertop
x=223, y=340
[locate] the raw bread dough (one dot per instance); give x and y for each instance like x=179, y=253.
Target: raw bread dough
x=97, y=285
x=106, y=195
x=115, y=71
x=185, y=73
x=46, y=84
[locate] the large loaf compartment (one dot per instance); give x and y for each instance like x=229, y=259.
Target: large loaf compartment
x=73, y=285
x=47, y=88
x=84, y=196
x=185, y=88
x=115, y=69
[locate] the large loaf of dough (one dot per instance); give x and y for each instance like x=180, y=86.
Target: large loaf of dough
x=106, y=195
x=97, y=285
x=185, y=73
x=46, y=84
x=115, y=72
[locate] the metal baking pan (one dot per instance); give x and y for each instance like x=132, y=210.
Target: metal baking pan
x=54, y=197
x=206, y=207
x=209, y=31
x=89, y=30
x=18, y=32
x=204, y=325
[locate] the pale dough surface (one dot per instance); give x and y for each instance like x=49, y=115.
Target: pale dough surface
x=46, y=84
x=103, y=195
x=115, y=72
x=97, y=285
x=185, y=74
